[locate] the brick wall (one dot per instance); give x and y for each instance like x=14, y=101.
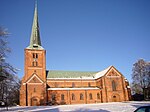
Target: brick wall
x=74, y=96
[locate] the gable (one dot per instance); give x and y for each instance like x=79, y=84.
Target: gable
x=102, y=73
x=34, y=79
x=113, y=72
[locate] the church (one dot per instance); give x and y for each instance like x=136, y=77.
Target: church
x=50, y=87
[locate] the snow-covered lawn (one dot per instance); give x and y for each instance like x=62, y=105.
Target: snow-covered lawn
x=99, y=107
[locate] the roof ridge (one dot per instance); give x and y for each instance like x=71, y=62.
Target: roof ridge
x=71, y=71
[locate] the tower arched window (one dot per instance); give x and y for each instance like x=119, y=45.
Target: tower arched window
x=81, y=96
x=34, y=63
x=35, y=55
x=113, y=85
x=73, y=96
x=90, y=96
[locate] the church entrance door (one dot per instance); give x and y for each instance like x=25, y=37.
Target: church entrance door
x=34, y=101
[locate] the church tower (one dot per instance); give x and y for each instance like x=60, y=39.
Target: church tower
x=33, y=86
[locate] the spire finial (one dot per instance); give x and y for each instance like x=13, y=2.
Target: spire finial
x=35, y=3
x=35, y=41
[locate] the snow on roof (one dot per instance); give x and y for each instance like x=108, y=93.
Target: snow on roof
x=128, y=86
x=95, y=88
x=102, y=73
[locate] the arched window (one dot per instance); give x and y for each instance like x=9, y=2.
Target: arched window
x=73, y=96
x=81, y=96
x=113, y=85
x=90, y=96
x=62, y=96
x=89, y=84
x=73, y=84
x=98, y=96
x=35, y=55
x=34, y=63
x=53, y=97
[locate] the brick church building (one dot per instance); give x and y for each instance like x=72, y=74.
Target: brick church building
x=40, y=86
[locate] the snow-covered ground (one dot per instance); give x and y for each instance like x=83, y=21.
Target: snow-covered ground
x=99, y=107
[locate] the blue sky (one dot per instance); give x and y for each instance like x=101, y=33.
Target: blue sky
x=80, y=35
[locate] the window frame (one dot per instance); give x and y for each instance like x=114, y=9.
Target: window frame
x=62, y=97
x=73, y=96
x=98, y=96
x=90, y=96
x=81, y=96
x=114, y=86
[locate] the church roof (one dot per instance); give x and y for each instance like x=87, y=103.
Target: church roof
x=35, y=42
x=69, y=74
x=76, y=74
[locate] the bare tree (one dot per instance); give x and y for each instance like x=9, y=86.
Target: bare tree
x=141, y=78
x=9, y=83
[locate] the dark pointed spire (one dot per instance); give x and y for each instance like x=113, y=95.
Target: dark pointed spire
x=35, y=41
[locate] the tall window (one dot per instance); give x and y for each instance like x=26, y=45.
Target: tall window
x=98, y=96
x=62, y=97
x=113, y=85
x=81, y=96
x=53, y=97
x=90, y=96
x=34, y=89
x=73, y=96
